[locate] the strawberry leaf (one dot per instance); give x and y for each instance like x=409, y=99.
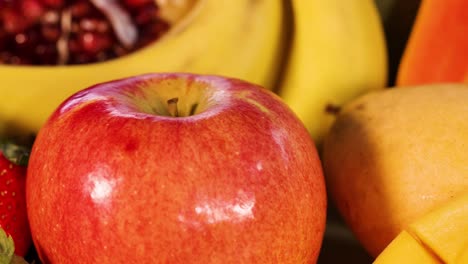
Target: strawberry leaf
x=7, y=249
x=16, y=154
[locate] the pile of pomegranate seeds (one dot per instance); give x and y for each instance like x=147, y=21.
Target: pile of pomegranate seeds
x=54, y=32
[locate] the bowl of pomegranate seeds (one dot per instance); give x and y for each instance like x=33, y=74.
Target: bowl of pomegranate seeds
x=69, y=32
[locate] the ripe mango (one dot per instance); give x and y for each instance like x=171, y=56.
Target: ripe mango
x=393, y=155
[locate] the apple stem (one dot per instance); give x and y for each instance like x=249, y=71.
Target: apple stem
x=172, y=106
x=193, y=109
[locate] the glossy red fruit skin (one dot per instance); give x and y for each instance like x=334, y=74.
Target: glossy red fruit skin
x=240, y=182
x=13, y=217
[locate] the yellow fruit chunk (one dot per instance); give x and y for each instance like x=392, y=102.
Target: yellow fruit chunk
x=406, y=249
x=441, y=236
x=445, y=230
x=463, y=258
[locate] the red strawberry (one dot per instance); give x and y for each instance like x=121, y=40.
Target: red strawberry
x=13, y=217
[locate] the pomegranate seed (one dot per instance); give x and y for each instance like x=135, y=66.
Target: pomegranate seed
x=51, y=17
x=50, y=33
x=47, y=54
x=80, y=9
x=32, y=9
x=146, y=15
x=4, y=56
x=26, y=40
x=137, y=3
x=82, y=58
x=93, y=42
x=119, y=51
x=53, y=3
x=103, y=27
x=92, y=24
x=21, y=38
x=15, y=60
x=101, y=56
x=3, y=41
x=13, y=22
x=74, y=46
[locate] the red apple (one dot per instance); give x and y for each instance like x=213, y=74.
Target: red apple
x=175, y=168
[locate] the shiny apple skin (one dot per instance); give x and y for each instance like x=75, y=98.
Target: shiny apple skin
x=240, y=182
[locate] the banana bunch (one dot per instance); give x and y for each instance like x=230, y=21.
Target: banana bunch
x=240, y=38
x=338, y=52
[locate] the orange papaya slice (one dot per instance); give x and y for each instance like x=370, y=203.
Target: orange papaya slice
x=437, y=48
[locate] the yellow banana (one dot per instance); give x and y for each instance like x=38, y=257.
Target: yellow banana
x=441, y=236
x=240, y=38
x=338, y=52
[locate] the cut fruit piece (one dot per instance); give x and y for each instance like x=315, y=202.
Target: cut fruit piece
x=406, y=249
x=438, y=237
x=445, y=230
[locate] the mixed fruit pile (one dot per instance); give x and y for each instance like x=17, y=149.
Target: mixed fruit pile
x=209, y=131
x=50, y=32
